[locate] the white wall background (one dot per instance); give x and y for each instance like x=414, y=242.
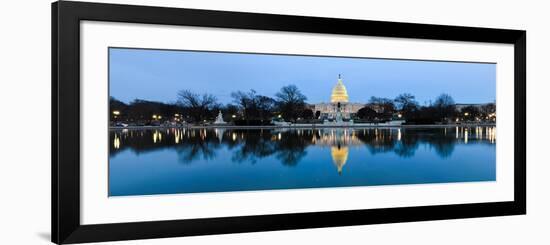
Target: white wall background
x=25, y=121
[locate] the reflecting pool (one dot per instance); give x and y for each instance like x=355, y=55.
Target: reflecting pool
x=166, y=161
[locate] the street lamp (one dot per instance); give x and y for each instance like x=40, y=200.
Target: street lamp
x=154, y=116
x=233, y=116
x=466, y=113
x=115, y=115
x=399, y=115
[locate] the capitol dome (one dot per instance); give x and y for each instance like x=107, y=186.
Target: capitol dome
x=339, y=92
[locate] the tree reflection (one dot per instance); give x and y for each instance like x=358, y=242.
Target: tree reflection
x=289, y=146
x=406, y=148
x=443, y=143
x=196, y=147
x=378, y=140
x=253, y=146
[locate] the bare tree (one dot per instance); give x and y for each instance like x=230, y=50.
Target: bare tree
x=407, y=104
x=444, y=100
x=405, y=101
x=291, y=102
x=444, y=107
x=254, y=106
x=265, y=106
x=197, y=106
x=245, y=100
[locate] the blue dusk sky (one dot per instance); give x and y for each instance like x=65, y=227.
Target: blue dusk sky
x=158, y=75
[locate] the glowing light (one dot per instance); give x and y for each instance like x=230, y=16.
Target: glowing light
x=491, y=134
x=116, y=142
x=399, y=134
x=466, y=136
x=399, y=115
x=116, y=113
x=339, y=93
x=157, y=136
x=466, y=113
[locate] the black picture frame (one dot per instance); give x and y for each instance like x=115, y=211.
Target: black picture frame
x=66, y=17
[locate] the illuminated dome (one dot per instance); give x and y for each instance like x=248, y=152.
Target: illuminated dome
x=339, y=157
x=339, y=92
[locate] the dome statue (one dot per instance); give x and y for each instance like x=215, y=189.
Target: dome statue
x=339, y=92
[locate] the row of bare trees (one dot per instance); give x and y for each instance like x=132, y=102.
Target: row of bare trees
x=249, y=106
x=442, y=109
x=289, y=104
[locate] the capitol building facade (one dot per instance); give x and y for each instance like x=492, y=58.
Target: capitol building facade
x=339, y=105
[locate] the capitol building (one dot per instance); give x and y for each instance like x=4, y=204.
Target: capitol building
x=339, y=105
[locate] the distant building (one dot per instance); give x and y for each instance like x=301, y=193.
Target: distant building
x=339, y=102
x=459, y=107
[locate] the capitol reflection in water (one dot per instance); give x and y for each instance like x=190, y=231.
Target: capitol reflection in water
x=164, y=161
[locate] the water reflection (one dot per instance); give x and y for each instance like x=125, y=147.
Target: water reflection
x=184, y=160
x=339, y=156
x=289, y=145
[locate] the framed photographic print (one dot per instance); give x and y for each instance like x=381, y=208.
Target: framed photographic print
x=176, y=122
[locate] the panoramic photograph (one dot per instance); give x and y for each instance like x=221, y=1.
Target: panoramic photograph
x=183, y=121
